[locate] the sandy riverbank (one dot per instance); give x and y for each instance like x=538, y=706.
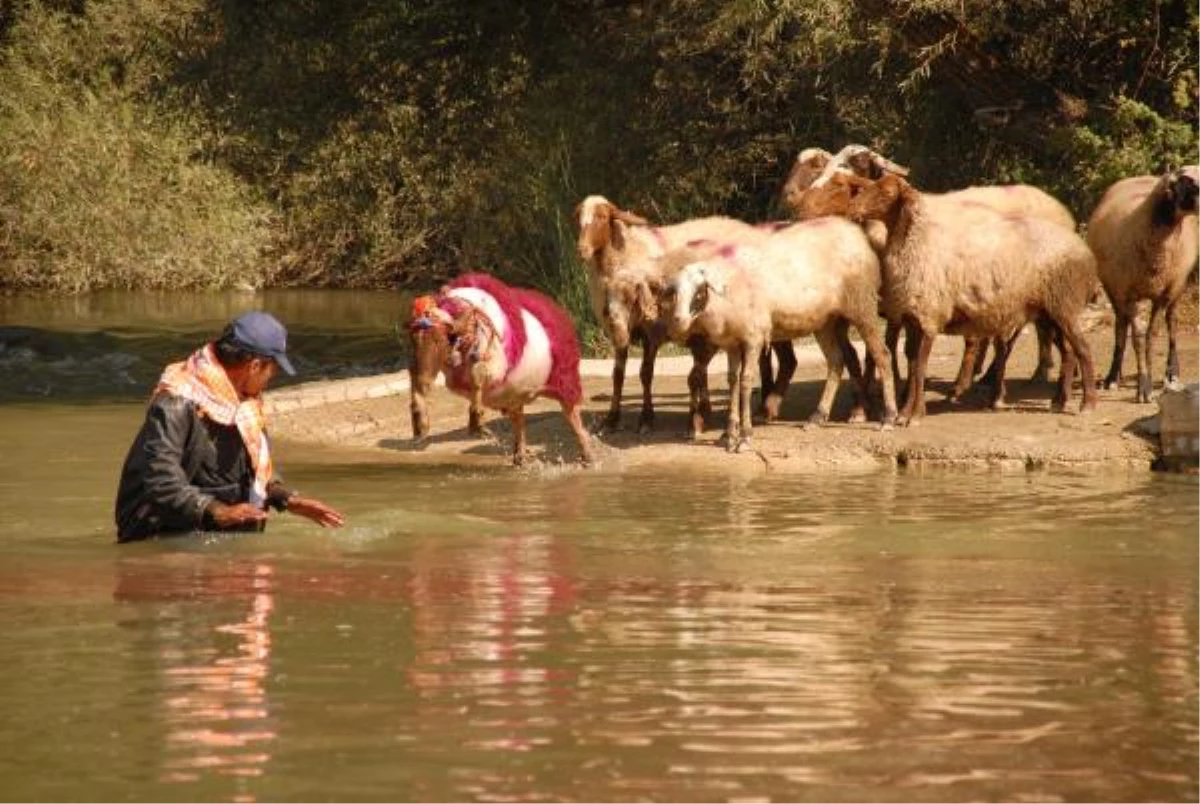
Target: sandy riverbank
x=369, y=417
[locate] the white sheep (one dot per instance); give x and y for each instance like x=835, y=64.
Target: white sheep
x=623, y=254
x=958, y=266
x=811, y=278
x=1143, y=233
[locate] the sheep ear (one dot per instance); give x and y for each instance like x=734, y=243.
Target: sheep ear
x=884, y=165
x=628, y=217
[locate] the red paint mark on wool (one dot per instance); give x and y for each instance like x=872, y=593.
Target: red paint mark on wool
x=563, y=383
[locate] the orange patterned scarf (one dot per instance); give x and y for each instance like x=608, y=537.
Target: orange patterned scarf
x=201, y=379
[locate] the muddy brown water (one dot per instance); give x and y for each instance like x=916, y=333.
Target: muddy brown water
x=487, y=634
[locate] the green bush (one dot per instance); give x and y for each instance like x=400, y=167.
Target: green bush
x=101, y=189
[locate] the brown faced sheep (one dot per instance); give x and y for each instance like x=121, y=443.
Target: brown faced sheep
x=955, y=265
x=1143, y=233
x=622, y=252
x=832, y=197
x=814, y=278
x=826, y=195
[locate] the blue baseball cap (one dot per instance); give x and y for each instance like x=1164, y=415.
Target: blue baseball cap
x=262, y=334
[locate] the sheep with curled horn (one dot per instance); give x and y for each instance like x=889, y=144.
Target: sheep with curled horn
x=622, y=253
x=958, y=266
x=1144, y=235
x=829, y=194
x=813, y=278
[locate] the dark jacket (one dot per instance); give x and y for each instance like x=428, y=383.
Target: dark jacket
x=179, y=463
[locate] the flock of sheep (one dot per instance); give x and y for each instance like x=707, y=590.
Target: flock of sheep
x=866, y=244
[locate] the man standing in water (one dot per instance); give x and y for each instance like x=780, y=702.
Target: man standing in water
x=202, y=460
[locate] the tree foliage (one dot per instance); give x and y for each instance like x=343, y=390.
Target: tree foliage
x=381, y=143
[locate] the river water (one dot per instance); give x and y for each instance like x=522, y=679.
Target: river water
x=541, y=635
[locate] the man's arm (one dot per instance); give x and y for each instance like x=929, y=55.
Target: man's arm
x=169, y=423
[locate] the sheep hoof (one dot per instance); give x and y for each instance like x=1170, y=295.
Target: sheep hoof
x=1143, y=392
x=1107, y=384
x=816, y=420
x=857, y=416
x=770, y=409
x=744, y=445
x=609, y=424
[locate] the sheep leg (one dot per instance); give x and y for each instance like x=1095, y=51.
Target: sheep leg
x=891, y=338
x=649, y=354
x=1142, y=335
x=861, y=380
x=573, y=417
x=1083, y=353
x=1121, y=325
x=912, y=347
x=517, y=417
x=475, y=409
x=877, y=353
x=1045, y=336
x=974, y=351
x=766, y=378
x=745, y=384
x=1172, y=353
x=699, y=404
x=1067, y=376
x=734, y=375
x=613, y=420
x=999, y=366
x=828, y=341
x=786, y=353
x=914, y=403
x=427, y=354
x=419, y=408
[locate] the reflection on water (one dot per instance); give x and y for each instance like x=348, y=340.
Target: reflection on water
x=572, y=635
x=213, y=670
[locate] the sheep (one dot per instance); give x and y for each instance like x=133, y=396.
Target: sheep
x=501, y=347
x=815, y=277
x=1143, y=233
x=622, y=252
x=955, y=265
x=830, y=195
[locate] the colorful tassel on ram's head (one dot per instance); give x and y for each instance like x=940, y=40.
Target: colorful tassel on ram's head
x=425, y=312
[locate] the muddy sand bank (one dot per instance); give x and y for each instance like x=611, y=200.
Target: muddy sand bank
x=367, y=419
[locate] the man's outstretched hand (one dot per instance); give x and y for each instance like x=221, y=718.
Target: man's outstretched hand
x=315, y=510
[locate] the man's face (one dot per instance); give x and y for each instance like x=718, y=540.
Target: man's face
x=259, y=373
